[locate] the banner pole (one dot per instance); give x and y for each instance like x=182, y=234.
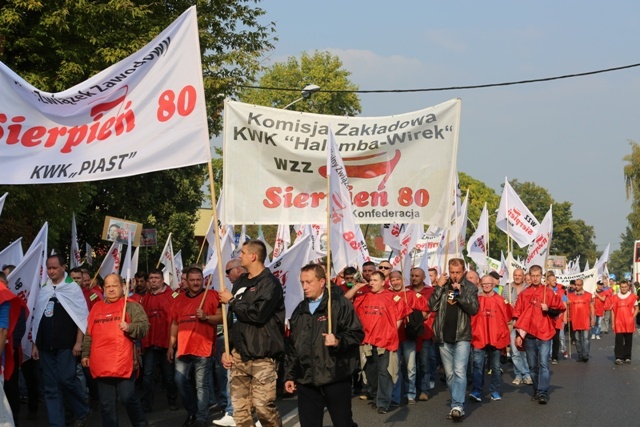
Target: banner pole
x=329, y=320
x=165, y=245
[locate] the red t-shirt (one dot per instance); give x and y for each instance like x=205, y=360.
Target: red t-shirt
x=195, y=337
x=158, y=309
x=623, y=309
x=580, y=311
x=379, y=314
x=490, y=326
x=529, y=313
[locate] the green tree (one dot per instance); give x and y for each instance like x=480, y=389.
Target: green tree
x=55, y=45
x=621, y=260
x=322, y=69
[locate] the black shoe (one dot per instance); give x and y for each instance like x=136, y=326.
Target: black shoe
x=383, y=411
x=214, y=409
x=585, y=359
x=535, y=397
x=200, y=424
x=190, y=421
x=542, y=399
x=373, y=405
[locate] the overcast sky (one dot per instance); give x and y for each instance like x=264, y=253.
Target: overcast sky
x=568, y=136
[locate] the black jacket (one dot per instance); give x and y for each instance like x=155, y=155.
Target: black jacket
x=308, y=360
x=256, y=317
x=469, y=305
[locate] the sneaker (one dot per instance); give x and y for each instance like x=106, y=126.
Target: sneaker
x=215, y=408
x=585, y=359
x=258, y=423
x=598, y=336
x=542, y=399
x=535, y=397
x=565, y=354
x=593, y=337
x=528, y=381
x=517, y=381
x=365, y=397
x=411, y=401
x=383, y=411
x=423, y=397
x=627, y=361
x=475, y=395
x=554, y=361
x=432, y=385
x=496, y=396
x=456, y=413
x=619, y=362
x=226, y=421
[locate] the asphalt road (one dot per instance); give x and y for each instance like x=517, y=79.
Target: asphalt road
x=597, y=393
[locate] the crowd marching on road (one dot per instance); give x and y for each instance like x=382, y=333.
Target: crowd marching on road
x=364, y=333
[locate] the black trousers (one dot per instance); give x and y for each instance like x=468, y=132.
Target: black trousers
x=623, y=343
x=12, y=388
x=336, y=397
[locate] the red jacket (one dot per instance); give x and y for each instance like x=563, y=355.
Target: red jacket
x=490, y=326
x=580, y=311
x=379, y=315
x=531, y=318
x=158, y=309
x=623, y=309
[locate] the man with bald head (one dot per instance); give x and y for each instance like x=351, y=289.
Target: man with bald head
x=510, y=294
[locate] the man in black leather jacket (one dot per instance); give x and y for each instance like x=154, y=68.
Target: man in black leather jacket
x=320, y=364
x=455, y=300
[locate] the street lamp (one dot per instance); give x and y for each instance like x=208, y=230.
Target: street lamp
x=307, y=91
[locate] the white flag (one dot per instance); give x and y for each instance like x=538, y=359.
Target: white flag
x=24, y=281
x=126, y=265
x=408, y=238
x=539, y=248
x=178, y=263
x=345, y=248
x=586, y=266
x=169, y=269
x=112, y=260
x=2, y=199
x=12, y=254
x=391, y=235
x=479, y=240
x=266, y=245
x=459, y=229
x=227, y=248
x=287, y=269
x=42, y=237
x=88, y=253
x=74, y=255
x=522, y=225
x=283, y=240
x=602, y=260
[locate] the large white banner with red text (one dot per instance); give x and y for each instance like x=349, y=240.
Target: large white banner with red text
x=401, y=168
x=143, y=114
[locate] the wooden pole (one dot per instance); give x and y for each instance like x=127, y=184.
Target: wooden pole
x=329, y=320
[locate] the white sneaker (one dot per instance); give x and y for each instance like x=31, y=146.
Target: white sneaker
x=597, y=337
x=258, y=424
x=226, y=421
x=432, y=384
x=593, y=337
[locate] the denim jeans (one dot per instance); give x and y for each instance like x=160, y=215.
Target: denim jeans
x=58, y=368
x=427, y=365
x=110, y=391
x=455, y=359
x=380, y=381
x=519, y=359
x=195, y=401
x=478, y=369
x=153, y=356
x=538, y=359
x=606, y=321
x=406, y=383
x=595, y=330
x=223, y=377
x=583, y=343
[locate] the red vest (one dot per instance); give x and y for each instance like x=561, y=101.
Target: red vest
x=490, y=326
x=111, y=350
x=623, y=314
x=158, y=309
x=379, y=314
x=529, y=313
x=580, y=311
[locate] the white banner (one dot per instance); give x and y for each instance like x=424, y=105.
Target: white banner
x=401, y=167
x=589, y=277
x=539, y=248
x=145, y=113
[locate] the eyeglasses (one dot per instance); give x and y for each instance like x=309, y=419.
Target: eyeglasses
x=383, y=267
x=228, y=270
x=487, y=283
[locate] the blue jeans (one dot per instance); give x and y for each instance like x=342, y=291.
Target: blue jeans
x=153, y=356
x=58, y=368
x=110, y=391
x=478, y=369
x=195, y=401
x=427, y=365
x=406, y=383
x=455, y=358
x=538, y=359
x=520, y=365
x=583, y=343
x=380, y=381
x=223, y=377
x=595, y=330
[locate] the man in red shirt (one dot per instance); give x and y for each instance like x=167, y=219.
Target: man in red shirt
x=535, y=311
x=624, y=310
x=424, y=345
x=92, y=296
x=583, y=318
x=193, y=320
x=157, y=304
x=381, y=317
x=601, y=302
x=490, y=335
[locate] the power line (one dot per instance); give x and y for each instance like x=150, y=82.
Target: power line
x=439, y=89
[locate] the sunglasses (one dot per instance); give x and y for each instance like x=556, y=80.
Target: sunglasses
x=383, y=267
x=228, y=270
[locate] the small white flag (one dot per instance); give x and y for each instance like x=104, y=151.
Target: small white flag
x=75, y=258
x=514, y=218
x=539, y=248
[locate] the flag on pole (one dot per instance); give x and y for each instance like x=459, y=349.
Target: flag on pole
x=2, y=199
x=479, y=241
x=226, y=246
x=12, y=254
x=459, y=229
x=112, y=260
x=168, y=260
x=267, y=245
x=126, y=265
x=522, y=225
x=88, y=253
x=42, y=238
x=539, y=248
x=179, y=264
x=283, y=240
x=602, y=260
x=345, y=248
x=75, y=258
